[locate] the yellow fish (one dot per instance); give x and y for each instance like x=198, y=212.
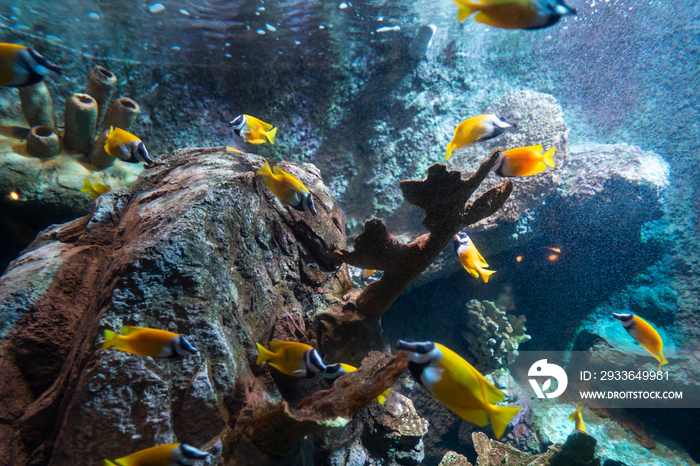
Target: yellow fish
x=292, y=358
x=23, y=66
x=333, y=371
x=524, y=161
x=127, y=147
x=472, y=261
x=163, y=455
x=456, y=384
x=95, y=189
x=287, y=188
x=478, y=128
x=253, y=130
x=235, y=150
x=645, y=335
x=148, y=342
x=515, y=14
x=576, y=417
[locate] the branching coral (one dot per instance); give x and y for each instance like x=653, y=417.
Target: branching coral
x=282, y=427
x=493, y=336
x=443, y=195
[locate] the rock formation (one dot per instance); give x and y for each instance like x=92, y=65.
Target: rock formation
x=180, y=251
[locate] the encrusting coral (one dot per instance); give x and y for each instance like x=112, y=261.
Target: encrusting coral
x=443, y=195
x=492, y=335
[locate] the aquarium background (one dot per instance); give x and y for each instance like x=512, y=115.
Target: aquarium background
x=339, y=81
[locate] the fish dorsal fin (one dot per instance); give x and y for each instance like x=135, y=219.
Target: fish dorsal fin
x=277, y=346
x=87, y=187
x=129, y=329
x=537, y=148
x=277, y=171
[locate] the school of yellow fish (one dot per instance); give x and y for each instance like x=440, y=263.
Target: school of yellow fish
x=445, y=375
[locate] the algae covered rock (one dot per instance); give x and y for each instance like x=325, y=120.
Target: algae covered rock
x=492, y=336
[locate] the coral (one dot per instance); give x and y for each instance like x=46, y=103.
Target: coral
x=81, y=120
x=100, y=86
x=492, y=335
x=578, y=450
x=454, y=459
x=37, y=105
x=42, y=141
x=280, y=428
x=443, y=196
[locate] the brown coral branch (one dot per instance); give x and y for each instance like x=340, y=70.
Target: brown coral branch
x=282, y=427
x=443, y=195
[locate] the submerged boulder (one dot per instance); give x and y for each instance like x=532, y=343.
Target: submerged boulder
x=199, y=247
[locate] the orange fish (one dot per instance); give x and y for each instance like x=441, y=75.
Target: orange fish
x=524, y=161
x=148, y=342
x=645, y=335
x=162, y=455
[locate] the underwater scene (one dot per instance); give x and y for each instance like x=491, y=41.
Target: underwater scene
x=359, y=232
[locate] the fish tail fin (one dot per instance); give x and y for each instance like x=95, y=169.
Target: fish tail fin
x=500, y=417
x=485, y=274
x=263, y=354
x=271, y=135
x=265, y=170
x=87, y=187
x=111, y=339
x=662, y=360
x=549, y=157
x=449, y=151
x=382, y=398
x=572, y=416
x=108, y=463
x=465, y=9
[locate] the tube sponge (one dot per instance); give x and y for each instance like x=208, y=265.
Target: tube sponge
x=100, y=86
x=42, y=141
x=37, y=105
x=80, y=121
x=122, y=114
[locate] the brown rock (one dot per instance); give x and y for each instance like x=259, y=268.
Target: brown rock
x=200, y=247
